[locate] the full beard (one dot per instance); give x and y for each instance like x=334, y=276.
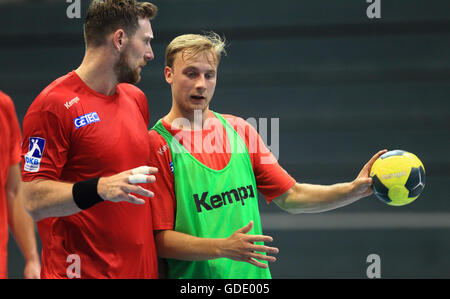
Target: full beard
x=123, y=71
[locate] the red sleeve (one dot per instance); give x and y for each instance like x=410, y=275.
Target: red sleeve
x=163, y=204
x=45, y=123
x=15, y=134
x=271, y=179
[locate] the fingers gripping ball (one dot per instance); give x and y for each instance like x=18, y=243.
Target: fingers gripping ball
x=398, y=177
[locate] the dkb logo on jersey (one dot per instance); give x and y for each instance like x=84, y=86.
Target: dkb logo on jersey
x=35, y=151
x=86, y=119
x=219, y=200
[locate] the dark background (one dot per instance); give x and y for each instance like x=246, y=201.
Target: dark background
x=343, y=86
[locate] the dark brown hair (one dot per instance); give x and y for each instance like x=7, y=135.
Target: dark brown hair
x=106, y=16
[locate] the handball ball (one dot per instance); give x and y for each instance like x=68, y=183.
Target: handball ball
x=398, y=177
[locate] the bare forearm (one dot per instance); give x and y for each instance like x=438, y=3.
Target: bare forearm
x=20, y=223
x=239, y=247
x=45, y=198
x=309, y=198
x=22, y=227
x=176, y=245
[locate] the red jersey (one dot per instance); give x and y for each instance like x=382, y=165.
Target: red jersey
x=210, y=147
x=10, y=137
x=72, y=133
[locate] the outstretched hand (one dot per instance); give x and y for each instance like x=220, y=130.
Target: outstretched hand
x=118, y=187
x=362, y=185
x=240, y=247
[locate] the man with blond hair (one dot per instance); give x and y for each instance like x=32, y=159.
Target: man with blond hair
x=209, y=178
x=85, y=149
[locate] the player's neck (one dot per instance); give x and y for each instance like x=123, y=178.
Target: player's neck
x=97, y=72
x=187, y=120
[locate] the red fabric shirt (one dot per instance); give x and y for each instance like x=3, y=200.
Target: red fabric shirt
x=10, y=137
x=210, y=147
x=72, y=133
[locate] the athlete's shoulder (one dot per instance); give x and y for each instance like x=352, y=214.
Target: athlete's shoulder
x=4, y=97
x=57, y=94
x=233, y=118
x=237, y=122
x=130, y=89
x=7, y=107
x=5, y=100
x=156, y=139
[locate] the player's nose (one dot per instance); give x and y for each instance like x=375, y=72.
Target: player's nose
x=149, y=55
x=200, y=84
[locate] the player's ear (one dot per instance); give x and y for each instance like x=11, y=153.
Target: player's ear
x=119, y=38
x=168, y=74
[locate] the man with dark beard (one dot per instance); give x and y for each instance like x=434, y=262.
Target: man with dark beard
x=85, y=149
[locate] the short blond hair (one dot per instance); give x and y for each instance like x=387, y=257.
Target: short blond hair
x=195, y=44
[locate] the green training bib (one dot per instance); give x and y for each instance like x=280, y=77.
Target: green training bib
x=214, y=204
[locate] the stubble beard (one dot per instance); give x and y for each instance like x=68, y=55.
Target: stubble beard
x=123, y=71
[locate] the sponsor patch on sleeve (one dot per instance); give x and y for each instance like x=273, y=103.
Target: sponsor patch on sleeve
x=35, y=151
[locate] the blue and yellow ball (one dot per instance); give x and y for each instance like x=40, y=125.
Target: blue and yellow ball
x=398, y=177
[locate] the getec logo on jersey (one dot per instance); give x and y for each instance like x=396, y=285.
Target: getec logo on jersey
x=35, y=151
x=86, y=119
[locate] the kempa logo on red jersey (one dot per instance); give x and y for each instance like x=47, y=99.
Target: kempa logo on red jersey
x=219, y=200
x=71, y=102
x=161, y=150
